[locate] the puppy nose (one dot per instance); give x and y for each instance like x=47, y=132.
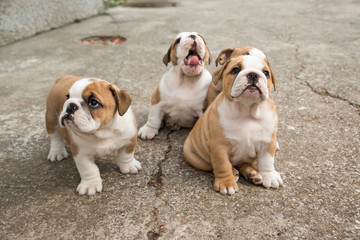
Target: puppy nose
x=72, y=108
x=252, y=78
x=192, y=36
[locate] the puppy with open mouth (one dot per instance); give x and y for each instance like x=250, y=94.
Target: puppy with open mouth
x=179, y=99
x=95, y=118
x=237, y=132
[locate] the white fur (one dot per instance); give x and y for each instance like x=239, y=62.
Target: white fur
x=83, y=120
x=94, y=141
x=110, y=139
x=256, y=52
x=57, y=147
x=251, y=64
x=181, y=96
x=250, y=136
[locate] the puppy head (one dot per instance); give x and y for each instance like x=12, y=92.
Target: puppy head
x=227, y=54
x=91, y=104
x=190, y=52
x=247, y=78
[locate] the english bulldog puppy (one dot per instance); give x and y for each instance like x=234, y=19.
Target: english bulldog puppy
x=215, y=86
x=238, y=130
x=95, y=118
x=179, y=98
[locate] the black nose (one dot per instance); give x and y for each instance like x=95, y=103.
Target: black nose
x=192, y=36
x=72, y=108
x=252, y=78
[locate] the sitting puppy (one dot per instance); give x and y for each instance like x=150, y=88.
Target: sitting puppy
x=180, y=96
x=95, y=118
x=239, y=128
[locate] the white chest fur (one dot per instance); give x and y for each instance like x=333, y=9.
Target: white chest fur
x=247, y=133
x=110, y=138
x=182, y=97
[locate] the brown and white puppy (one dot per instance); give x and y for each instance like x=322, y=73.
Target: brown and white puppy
x=180, y=96
x=238, y=130
x=95, y=118
x=215, y=86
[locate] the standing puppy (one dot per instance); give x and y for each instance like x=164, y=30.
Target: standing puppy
x=239, y=128
x=95, y=118
x=180, y=97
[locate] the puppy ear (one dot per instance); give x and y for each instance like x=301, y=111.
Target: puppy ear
x=122, y=99
x=224, y=56
x=217, y=75
x=274, y=80
x=207, y=57
x=170, y=56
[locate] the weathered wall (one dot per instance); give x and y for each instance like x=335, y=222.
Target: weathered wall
x=23, y=18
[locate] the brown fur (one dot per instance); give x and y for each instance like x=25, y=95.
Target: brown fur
x=155, y=98
x=111, y=97
x=224, y=57
x=207, y=149
x=170, y=56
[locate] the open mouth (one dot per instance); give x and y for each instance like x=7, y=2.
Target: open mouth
x=193, y=59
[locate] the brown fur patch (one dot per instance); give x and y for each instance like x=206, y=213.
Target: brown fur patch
x=122, y=99
x=207, y=57
x=155, y=98
x=170, y=56
x=99, y=91
x=56, y=99
x=131, y=146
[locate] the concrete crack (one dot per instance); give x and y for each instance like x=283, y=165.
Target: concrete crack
x=325, y=92
x=156, y=181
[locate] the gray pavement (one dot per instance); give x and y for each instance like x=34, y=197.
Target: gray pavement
x=314, y=50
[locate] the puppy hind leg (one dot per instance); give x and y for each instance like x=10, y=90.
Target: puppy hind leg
x=194, y=160
x=248, y=171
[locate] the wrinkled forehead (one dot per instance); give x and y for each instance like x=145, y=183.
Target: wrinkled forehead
x=250, y=61
x=186, y=34
x=79, y=87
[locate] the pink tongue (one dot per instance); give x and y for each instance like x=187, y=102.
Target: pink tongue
x=194, y=60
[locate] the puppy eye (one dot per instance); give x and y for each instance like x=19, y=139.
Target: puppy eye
x=94, y=104
x=266, y=74
x=235, y=70
x=67, y=96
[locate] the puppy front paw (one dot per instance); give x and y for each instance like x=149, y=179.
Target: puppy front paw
x=146, y=132
x=89, y=187
x=57, y=154
x=226, y=185
x=271, y=179
x=133, y=166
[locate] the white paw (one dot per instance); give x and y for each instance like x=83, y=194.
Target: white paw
x=89, y=187
x=130, y=167
x=146, y=132
x=57, y=154
x=271, y=179
x=228, y=191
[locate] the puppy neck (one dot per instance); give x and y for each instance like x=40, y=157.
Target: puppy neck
x=186, y=79
x=247, y=109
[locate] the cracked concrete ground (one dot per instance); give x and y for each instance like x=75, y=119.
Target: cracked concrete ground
x=313, y=48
